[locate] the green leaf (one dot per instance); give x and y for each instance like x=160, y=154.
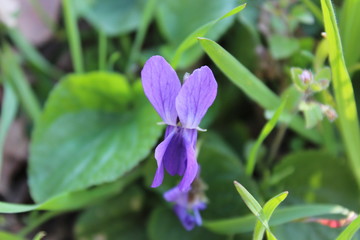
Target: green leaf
x=252, y=204
x=39, y=236
x=343, y=89
x=164, y=225
x=269, y=126
x=268, y=210
x=281, y=216
x=90, y=132
x=350, y=31
x=295, y=77
x=283, y=47
x=252, y=86
x=191, y=39
x=73, y=200
x=350, y=230
x=324, y=178
x=120, y=216
x=113, y=17
x=312, y=113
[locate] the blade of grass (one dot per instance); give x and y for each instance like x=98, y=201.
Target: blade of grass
x=200, y=32
x=314, y=9
x=8, y=113
x=252, y=86
x=19, y=83
x=39, y=236
x=344, y=93
x=269, y=126
x=281, y=216
x=32, y=55
x=268, y=210
x=73, y=36
x=350, y=30
x=350, y=230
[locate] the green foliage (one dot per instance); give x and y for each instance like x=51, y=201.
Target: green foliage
x=94, y=128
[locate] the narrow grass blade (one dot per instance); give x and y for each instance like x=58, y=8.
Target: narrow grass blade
x=8, y=113
x=252, y=204
x=350, y=230
x=19, y=83
x=39, y=236
x=200, y=32
x=268, y=210
x=350, y=30
x=251, y=85
x=269, y=126
x=344, y=93
x=281, y=216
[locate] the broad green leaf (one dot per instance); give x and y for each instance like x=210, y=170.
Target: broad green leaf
x=252, y=86
x=269, y=126
x=164, y=225
x=118, y=217
x=92, y=131
x=73, y=200
x=281, y=216
x=268, y=210
x=350, y=230
x=324, y=178
x=344, y=93
x=8, y=113
x=191, y=39
x=350, y=31
x=323, y=73
x=282, y=47
x=178, y=19
x=113, y=17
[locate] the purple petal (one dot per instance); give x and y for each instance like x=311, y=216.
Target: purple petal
x=174, y=158
x=159, y=153
x=161, y=86
x=187, y=220
x=195, y=97
x=197, y=217
x=191, y=163
x=176, y=196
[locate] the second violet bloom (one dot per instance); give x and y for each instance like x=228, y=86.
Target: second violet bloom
x=181, y=108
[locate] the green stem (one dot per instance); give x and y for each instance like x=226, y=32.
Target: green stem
x=73, y=36
x=40, y=220
x=102, y=51
x=140, y=35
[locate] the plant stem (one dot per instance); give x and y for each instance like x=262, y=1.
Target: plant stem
x=40, y=220
x=102, y=51
x=73, y=36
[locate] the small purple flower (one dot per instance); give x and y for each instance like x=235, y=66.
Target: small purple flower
x=188, y=204
x=181, y=108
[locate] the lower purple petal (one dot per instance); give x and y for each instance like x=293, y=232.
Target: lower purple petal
x=191, y=163
x=159, y=153
x=175, y=155
x=187, y=220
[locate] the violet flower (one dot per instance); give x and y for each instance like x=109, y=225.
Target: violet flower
x=188, y=204
x=181, y=109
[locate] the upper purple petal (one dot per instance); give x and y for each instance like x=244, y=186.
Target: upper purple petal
x=161, y=86
x=195, y=97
